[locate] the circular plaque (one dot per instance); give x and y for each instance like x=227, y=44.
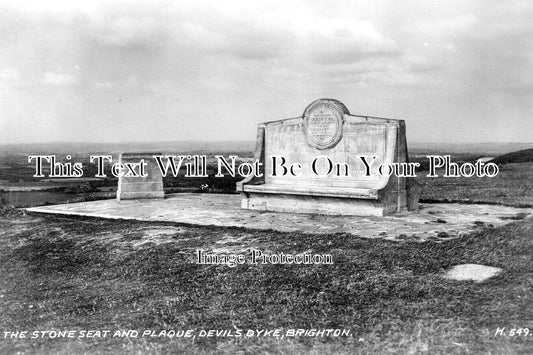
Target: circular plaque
x=323, y=121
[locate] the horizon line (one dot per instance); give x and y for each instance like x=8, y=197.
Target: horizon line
x=227, y=141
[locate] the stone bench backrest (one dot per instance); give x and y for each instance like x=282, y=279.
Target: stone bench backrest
x=361, y=136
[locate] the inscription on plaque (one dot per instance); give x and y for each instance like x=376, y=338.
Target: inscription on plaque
x=323, y=121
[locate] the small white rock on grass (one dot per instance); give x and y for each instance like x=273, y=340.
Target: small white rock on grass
x=472, y=272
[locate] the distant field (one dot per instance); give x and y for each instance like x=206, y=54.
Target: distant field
x=513, y=186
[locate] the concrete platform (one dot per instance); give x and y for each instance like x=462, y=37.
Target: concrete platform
x=434, y=221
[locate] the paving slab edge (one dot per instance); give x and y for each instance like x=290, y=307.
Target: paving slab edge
x=38, y=211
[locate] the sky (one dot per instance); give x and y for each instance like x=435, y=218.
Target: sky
x=148, y=71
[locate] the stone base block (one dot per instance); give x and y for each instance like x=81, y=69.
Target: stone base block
x=140, y=187
x=317, y=205
x=141, y=195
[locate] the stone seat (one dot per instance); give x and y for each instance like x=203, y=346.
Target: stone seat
x=147, y=187
x=328, y=130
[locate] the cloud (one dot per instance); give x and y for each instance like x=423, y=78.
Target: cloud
x=342, y=40
x=105, y=85
x=10, y=76
x=243, y=62
x=251, y=37
x=131, y=32
x=192, y=34
x=452, y=27
x=54, y=79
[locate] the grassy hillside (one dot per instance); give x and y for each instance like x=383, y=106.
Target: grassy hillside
x=96, y=274
x=513, y=186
